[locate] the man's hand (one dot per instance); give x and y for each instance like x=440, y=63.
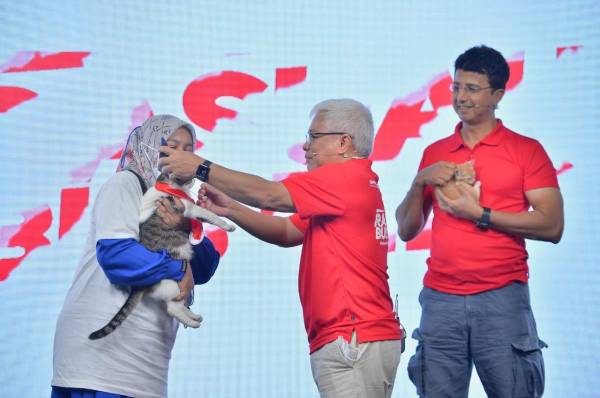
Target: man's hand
x=172, y=217
x=465, y=206
x=181, y=164
x=214, y=200
x=436, y=175
x=186, y=284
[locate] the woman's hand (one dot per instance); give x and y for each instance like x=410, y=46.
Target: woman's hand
x=186, y=284
x=172, y=214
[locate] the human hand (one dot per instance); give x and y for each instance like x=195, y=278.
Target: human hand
x=465, y=206
x=215, y=200
x=172, y=214
x=180, y=164
x=186, y=284
x=436, y=174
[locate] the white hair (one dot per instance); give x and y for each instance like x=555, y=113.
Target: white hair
x=348, y=116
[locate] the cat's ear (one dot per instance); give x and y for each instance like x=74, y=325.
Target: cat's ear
x=471, y=163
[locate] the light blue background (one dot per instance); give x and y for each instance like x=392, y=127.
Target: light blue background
x=253, y=342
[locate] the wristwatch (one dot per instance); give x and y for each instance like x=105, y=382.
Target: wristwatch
x=184, y=265
x=484, y=222
x=203, y=170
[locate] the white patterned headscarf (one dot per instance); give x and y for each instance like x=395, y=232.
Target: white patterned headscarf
x=141, y=150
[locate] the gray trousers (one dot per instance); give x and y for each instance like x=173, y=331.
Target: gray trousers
x=344, y=369
x=493, y=330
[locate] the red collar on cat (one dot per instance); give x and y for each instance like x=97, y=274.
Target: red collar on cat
x=195, y=224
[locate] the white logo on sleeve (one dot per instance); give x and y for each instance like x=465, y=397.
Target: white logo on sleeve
x=381, y=233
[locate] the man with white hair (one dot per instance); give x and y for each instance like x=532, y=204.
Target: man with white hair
x=353, y=333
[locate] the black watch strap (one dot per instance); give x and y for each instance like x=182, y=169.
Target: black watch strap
x=484, y=222
x=203, y=170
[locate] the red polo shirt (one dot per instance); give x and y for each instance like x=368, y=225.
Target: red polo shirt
x=343, y=280
x=464, y=259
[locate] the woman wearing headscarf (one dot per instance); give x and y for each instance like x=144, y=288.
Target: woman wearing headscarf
x=133, y=361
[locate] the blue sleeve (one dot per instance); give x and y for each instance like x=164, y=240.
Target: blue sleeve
x=205, y=261
x=127, y=262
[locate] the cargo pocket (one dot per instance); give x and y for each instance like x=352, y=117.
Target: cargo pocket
x=416, y=364
x=528, y=368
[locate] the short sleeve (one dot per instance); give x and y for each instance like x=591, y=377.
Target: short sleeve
x=428, y=191
x=538, y=170
x=117, y=208
x=319, y=192
x=300, y=223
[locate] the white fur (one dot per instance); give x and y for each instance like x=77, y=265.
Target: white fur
x=191, y=210
x=167, y=289
x=201, y=214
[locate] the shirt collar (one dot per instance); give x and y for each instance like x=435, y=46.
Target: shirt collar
x=493, y=138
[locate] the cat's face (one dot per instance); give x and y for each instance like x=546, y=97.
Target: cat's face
x=465, y=172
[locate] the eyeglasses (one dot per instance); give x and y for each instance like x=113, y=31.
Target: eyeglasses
x=312, y=136
x=468, y=88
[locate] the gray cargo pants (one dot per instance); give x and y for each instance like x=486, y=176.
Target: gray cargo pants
x=494, y=330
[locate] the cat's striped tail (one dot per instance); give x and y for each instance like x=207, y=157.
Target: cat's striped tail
x=134, y=298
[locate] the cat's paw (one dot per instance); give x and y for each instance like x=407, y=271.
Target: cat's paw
x=228, y=227
x=193, y=320
x=183, y=314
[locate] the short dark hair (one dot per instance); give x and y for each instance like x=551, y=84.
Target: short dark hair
x=487, y=61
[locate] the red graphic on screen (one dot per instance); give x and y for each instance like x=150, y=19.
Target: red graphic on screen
x=28, y=61
x=564, y=167
x=73, y=202
x=287, y=77
x=29, y=235
x=391, y=243
x=571, y=49
x=200, y=95
x=117, y=154
x=407, y=115
x=218, y=237
x=421, y=241
x=140, y=114
x=516, y=65
x=296, y=153
x=401, y=122
x=13, y=96
x=86, y=172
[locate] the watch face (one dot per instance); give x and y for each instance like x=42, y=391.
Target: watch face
x=202, y=173
x=484, y=221
x=203, y=170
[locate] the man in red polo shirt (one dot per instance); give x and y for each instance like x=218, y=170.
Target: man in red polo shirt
x=354, y=335
x=475, y=300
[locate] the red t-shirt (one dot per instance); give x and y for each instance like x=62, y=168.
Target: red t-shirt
x=465, y=259
x=343, y=280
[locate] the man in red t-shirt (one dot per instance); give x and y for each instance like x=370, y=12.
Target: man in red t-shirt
x=475, y=301
x=353, y=333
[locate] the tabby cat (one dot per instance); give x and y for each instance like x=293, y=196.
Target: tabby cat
x=156, y=235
